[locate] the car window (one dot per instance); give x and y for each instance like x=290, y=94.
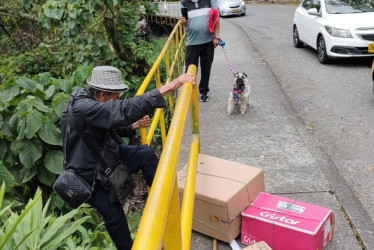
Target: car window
x=316, y=4
x=306, y=4
x=347, y=6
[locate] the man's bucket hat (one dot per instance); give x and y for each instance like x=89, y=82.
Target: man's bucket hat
x=107, y=78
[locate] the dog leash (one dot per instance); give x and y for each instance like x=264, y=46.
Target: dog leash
x=222, y=44
x=235, y=92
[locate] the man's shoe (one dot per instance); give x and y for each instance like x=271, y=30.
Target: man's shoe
x=204, y=98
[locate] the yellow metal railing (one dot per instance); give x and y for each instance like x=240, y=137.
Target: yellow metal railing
x=163, y=220
x=161, y=217
x=172, y=55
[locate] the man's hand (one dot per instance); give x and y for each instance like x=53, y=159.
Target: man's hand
x=183, y=21
x=215, y=42
x=143, y=122
x=176, y=83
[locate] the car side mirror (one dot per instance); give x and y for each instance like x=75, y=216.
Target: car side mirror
x=313, y=11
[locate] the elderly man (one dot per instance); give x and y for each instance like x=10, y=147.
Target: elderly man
x=99, y=121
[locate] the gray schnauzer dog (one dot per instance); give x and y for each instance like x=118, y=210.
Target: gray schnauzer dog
x=239, y=94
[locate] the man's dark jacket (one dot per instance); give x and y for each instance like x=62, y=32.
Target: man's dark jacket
x=104, y=123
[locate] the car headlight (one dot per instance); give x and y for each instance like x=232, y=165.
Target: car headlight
x=243, y=3
x=338, y=32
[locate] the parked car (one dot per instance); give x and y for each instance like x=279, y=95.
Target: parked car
x=231, y=7
x=335, y=28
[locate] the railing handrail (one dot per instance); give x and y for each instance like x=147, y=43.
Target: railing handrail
x=162, y=203
x=176, y=41
x=162, y=217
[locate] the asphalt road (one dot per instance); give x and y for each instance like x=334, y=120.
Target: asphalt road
x=309, y=126
x=336, y=101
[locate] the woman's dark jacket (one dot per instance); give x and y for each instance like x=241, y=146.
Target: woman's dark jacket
x=103, y=123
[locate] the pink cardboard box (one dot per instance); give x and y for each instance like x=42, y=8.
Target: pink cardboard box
x=287, y=224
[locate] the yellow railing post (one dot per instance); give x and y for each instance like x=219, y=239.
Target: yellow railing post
x=152, y=225
x=155, y=72
x=162, y=219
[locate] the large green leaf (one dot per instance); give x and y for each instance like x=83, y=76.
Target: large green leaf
x=33, y=123
x=8, y=94
x=53, y=161
x=6, y=129
x=16, y=145
x=2, y=192
x=3, y=148
x=50, y=133
x=1, y=120
x=50, y=91
x=60, y=102
x=26, y=83
x=4, y=238
x=24, y=106
x=65, y=84
x=6, y=176
x=31, y=152
x=49, y=241
x=22, y=174
x=43, y=78
x=44, y=176
x=54, y=13
x=39, y=105
x=9, y=158
x=21, y=125
x=81, y=74
x=13, y=120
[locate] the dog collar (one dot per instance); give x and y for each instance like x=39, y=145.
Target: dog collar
x=237, y=93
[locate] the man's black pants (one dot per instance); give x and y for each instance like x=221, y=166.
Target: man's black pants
x=135, y=158
x=206, y=54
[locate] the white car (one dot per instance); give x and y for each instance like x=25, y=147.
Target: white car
x=231, y=7
x=335, y=28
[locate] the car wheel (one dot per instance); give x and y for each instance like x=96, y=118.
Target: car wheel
x=296, y=40
x=321, y=49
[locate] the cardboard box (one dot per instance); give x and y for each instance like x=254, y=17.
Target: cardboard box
x=258, y=246
x=287, y=224
x=223, y=190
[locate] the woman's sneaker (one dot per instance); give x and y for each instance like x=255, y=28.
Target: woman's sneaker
x=204, y=98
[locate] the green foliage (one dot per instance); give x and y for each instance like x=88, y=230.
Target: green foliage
x=30, y=135
x=57, y=35
x=34, y=227
x=90, y=235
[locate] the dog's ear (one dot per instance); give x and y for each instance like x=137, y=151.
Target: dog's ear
x=245, y=74
x=236, y=75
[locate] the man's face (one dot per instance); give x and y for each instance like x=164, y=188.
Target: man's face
x=106, y=96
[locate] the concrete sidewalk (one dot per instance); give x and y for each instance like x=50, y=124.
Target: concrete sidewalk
x=269, y=136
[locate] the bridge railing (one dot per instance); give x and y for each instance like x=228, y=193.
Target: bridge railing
x=172, y=55
x=167, y=13
x=163, y=220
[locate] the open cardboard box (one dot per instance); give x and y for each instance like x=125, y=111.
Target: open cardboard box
x=223, y=190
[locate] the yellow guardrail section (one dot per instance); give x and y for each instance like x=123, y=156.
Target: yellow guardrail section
x=161, y=217
x=172, y=55
x=163, y=220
